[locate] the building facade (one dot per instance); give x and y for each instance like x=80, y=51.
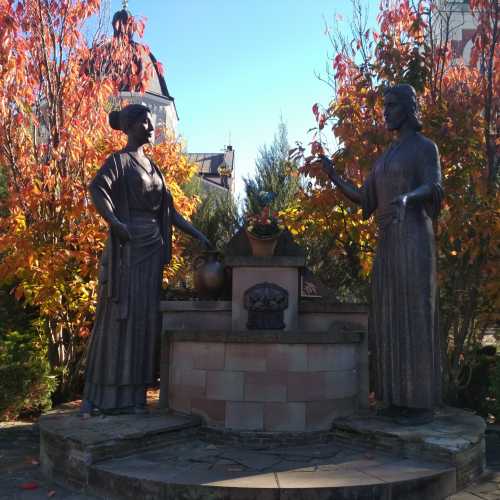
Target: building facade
x=456, y=18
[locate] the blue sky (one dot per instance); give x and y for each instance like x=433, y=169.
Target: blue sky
x=235, y=66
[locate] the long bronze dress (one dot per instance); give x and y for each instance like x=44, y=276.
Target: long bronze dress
x=120, y=361
x=403, y=310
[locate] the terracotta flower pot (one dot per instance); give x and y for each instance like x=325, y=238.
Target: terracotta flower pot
x=262, y=246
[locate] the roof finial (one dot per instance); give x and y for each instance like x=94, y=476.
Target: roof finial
x=125, y=4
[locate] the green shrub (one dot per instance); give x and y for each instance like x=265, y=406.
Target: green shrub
x=26, y=384
x=479, y=381
x=494, y=400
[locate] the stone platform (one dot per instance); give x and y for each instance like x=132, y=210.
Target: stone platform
x=200, y=470
x=171, y=456
x=70, y=445
x=455, y=437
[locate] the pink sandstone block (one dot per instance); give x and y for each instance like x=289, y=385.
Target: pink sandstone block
x=192, y=380
x=342, y=384
x=212, y=411
x=165, y=351
x=331, y=357
x=245, y=416
x=209, y=356
x=285, y=417
x=321, y=414
x=318, y=321
x=287, y=358
x=265, y=386
x=306, y=386
x=225, y=385
x=246, y=357
x=183, y=354
x=179, y=400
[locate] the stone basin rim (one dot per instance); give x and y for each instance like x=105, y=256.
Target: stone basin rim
x=267, y=336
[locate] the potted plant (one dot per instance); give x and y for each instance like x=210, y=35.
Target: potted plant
x=263, y=230
x=224, y=170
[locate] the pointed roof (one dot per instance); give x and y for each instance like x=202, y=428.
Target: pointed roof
x=156, y=84
x=209, y=163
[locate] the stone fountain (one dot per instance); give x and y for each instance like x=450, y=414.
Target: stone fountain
x=265, y=360
x=263, y=396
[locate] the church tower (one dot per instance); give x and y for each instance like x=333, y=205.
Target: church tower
x=216, y=170
x=156, y=95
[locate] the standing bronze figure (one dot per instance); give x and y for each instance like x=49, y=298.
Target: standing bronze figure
x=130, y=193
x=404, y=192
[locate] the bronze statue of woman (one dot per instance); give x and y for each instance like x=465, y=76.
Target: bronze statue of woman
x=130, y=193
x=404, y=192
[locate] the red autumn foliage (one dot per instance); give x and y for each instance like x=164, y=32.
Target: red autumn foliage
x=56, y=89
x=460, y=107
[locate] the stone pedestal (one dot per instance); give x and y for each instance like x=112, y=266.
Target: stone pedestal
x=169, y=457
x=455, y=438
x=70, y=445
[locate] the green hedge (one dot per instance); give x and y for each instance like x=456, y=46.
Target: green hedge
x=26, y=384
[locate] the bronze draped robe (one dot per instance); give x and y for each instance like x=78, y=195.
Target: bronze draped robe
x=120, y=361
x=403, y=314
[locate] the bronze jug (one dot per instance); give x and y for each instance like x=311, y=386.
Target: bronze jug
x=209, y=274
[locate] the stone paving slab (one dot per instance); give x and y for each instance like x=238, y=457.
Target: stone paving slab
x=455, y=437
x=69, y=444
x=320, y=466
x=452, y=430
x=108, y=428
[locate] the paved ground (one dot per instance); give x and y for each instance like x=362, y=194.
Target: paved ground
x=20, y=477
x=197, y=462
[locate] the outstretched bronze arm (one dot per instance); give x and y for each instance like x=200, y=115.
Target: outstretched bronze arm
x=185, y=226
x=349, y=190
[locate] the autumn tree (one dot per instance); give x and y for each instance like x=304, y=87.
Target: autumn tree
x=460, y=111
x=56, y=88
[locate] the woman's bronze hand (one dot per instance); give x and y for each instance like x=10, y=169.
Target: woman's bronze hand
x=119, y=229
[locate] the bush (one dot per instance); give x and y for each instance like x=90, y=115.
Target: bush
x=494, y=400
x=26, y=384
x=479, y=381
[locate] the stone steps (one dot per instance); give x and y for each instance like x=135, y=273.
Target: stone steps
x=69, y=445
x=455, y=437
x=197, y=470
x=168, y=456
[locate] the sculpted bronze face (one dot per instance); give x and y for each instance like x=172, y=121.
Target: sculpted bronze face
x=395, y=112
x=142, y=130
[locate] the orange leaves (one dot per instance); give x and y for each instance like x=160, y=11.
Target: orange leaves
x=54, y=137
